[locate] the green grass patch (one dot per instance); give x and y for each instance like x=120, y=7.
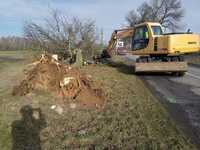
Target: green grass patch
x=131, y=117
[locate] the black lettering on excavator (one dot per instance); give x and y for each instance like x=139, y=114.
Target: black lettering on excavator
x=192, y=42
x=156, y=44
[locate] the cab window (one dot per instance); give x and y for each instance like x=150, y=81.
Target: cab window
x=156, y=30
x=140, y=38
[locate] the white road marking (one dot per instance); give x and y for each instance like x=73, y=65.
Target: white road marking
x=192, y=75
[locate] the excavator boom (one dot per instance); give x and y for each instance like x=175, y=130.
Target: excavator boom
x=115, y=40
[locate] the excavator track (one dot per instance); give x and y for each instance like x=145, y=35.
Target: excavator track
x=175, y=65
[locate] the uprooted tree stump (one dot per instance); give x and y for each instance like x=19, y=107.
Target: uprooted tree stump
x=64, y=81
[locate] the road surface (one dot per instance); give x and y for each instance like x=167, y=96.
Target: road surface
x=179, y=95
x=181, y=98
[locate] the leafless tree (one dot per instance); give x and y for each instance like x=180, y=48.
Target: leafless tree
x=61, y=32
x=168, y=12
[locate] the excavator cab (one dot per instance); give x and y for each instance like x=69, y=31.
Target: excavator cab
x=143, y=40
x=140, y=38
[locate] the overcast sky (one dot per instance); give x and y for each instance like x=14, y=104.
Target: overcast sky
x=108, y=14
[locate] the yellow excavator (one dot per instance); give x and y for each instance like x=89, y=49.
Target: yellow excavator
x=156, y=51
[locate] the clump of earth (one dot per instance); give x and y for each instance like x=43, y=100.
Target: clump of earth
x=64, y=81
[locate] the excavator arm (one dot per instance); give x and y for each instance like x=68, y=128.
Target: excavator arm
x=112, y=44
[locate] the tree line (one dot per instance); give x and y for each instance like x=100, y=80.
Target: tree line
x=14, y=43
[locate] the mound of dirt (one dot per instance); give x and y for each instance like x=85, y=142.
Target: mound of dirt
x=64, y=81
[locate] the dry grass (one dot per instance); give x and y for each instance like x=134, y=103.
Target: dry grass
x=131, y=118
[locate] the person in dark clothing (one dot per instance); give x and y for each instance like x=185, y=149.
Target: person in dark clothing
x=26, y=132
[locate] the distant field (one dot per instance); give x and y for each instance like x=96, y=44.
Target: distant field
x=18, y=54
x=12, y=53
x=130, y=119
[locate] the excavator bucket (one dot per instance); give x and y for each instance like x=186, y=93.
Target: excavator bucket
x=174, y=67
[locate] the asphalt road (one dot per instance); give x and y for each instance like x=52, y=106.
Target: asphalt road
x=181, y=98
x=179, y=95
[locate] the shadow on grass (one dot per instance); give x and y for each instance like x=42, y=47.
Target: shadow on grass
x=26, y=132
x=129, y=69
x=156, y=74
x=121, y=67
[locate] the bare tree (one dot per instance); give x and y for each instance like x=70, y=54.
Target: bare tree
x=61, y=32
x=168, y=12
